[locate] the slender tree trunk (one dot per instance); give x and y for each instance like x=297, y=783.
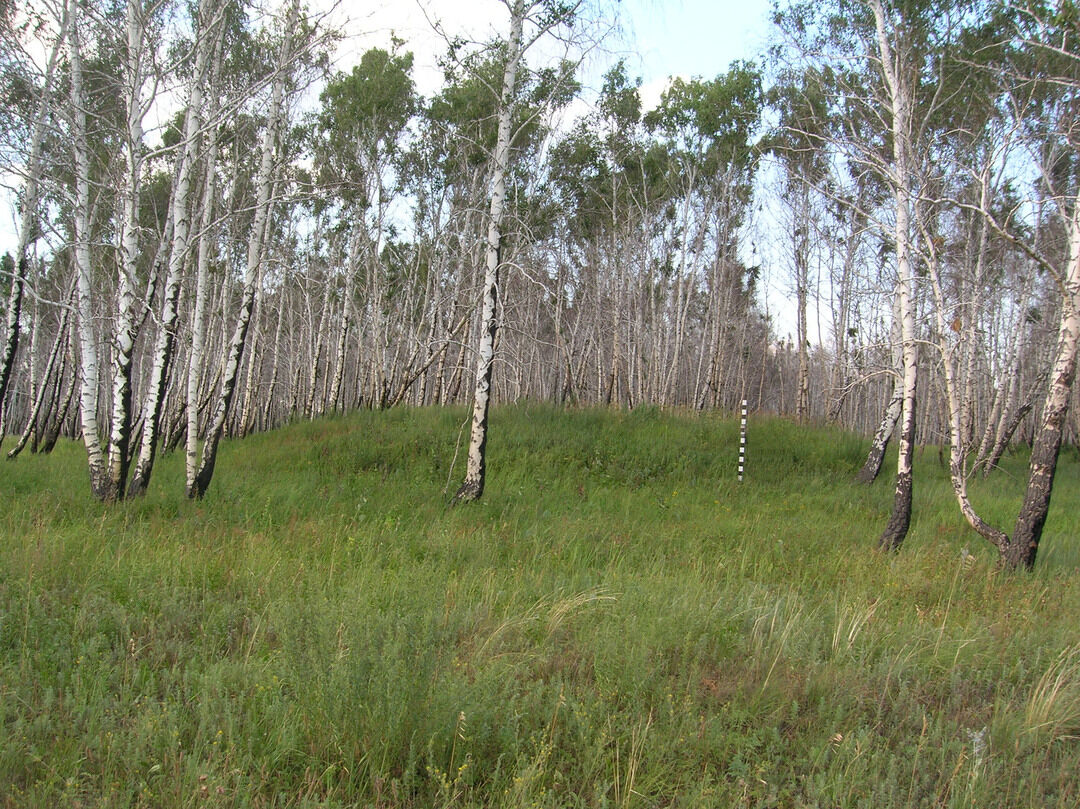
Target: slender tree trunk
x=88, y=346
x=1024, y=544
x=801, y=239
x=872, y=466
x=900, y=95
x=955, y=405
x=842, y=308
x=257, y=238
x=1008, y=412
x=1009, y=423
x=55, y=426
x=28, y=219
x=268, y=405
x=197, y=358
x=127, y=321
x=180, y=215
x=254, y=371
x=58, y=347
x=473, y=486
x=313, y=407
x=343, y=326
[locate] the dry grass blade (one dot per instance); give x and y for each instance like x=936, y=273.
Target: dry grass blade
x=1053, y=710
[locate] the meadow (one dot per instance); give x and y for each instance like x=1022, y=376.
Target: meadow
x=618, y=622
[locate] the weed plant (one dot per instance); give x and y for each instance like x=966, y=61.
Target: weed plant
x=617, y=623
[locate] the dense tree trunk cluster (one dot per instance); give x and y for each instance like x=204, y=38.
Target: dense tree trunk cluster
x=207, y=246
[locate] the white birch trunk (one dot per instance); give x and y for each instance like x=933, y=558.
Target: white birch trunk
x=343, y=327
x=127, y=322
x=88, y=348
x=28, y=217
x=39, y=399
x=958, y=443
x=264, y=183
x=197, y=360
x=1024, y=543
x=180, y=214
x=473, y=486
x=900, y=100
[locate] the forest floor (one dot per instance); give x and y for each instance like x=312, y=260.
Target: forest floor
x=618, y=622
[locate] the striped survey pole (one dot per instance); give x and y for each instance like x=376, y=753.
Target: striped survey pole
x=742, y=442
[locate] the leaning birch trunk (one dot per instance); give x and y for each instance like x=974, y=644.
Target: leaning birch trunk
x=180, y=215
x=62, y=398
x=956, y=407
x=88, y=348
x=196, y=362
x=1024, y=543
x=473, y=486
x=27, y=220
x=1009, y=423
x=900, y=96
x=872, y=466
x=198, y=483
x=242, y=425
x=58, y=347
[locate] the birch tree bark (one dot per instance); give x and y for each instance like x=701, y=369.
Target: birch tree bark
x=951, y=358
x=28, y=215
x=59, y=345
x=199, y=482
x=473, y=486
x=85, y=298
x=900, y=98
x=127, y=320
x=180, y=215
x=1024, y=543
x=884, y=433
x=197, y=359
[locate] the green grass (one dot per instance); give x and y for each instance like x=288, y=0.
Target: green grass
x=618, y=623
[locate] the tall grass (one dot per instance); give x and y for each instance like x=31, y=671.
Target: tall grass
x=618, y=623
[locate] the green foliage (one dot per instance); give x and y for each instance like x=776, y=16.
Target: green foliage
x=363, y=114
x=716, y=119
x=618, y=623
x=463, y=117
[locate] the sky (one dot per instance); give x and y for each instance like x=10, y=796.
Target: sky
x=658, y=38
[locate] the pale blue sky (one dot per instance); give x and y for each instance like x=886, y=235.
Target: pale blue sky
x=694, y=37
x=658, y=38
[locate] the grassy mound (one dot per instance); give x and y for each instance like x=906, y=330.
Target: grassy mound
x=619, y=622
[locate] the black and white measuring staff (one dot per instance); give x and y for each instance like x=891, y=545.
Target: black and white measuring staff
x=742, y=442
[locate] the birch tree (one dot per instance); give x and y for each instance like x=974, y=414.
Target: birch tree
x=43, y=108
x=800, y=145
x=199, y=480
x=136, y=74
x=90, y=373
x=891, y=85
x=543, y=17
x=1043, y=78
x=207, y=40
